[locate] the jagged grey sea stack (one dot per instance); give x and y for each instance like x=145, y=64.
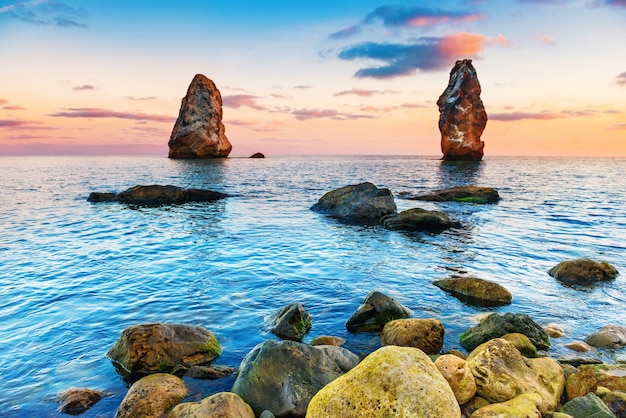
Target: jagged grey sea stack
x=199, y=131
x=462, y=116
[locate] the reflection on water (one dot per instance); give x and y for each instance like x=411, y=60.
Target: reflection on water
x=73, y=274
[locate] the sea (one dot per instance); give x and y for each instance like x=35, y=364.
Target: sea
x=74, y=274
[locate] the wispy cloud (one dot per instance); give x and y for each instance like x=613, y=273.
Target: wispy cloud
x=619, y=3
x=544, y=38
x=363, y=92
x=46, y=12
x=92, y=112
x=515, y=116
x=306, y=114
x=399, y=16
x=84, y=87
x=303, y=87
x=3, y=101
x=424, y=54
x=238, y=100
x=140, y=99
x=22, y=124
x=13, y=107
x=621, y=79
x=387, y=109
x=617, y=126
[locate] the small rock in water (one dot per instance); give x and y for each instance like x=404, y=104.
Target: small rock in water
x=579, y=346
x=209, y=372
x=75, y=401
x=257, y=155
x=465, y=194
x=357, y=202
x=554, y=330
x=418, y=219
x=328, y=340
x=475, y=291
x=609, y=336
x=291, y=322
x=377, y=309
x=583, y=272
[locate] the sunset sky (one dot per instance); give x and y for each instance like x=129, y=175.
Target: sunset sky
x=314, y=77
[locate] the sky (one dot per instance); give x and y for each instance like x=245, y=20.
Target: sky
x=299, y=77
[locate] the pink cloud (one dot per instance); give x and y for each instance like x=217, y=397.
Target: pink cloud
x=621, y=79
x=84, y=87
x=464, y=44
x=18, y=123
x=515, y=116
x=2, y=101
x=618, y=126
x=362, y=92
x=306, y=114
x=238, y=100
x=141, y=99
x=544, y=38
x=92, y=112
x=14, y=108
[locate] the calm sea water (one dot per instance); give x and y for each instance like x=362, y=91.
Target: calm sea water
x=73, y=274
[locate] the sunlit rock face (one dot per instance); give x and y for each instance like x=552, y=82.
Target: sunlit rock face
x=462, y=116
x=199, y=131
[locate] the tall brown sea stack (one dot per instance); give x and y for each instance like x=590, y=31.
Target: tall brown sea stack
x=199, y=131
x=462, y=116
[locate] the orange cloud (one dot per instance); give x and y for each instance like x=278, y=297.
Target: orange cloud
x=544, y=38
x=464, y=43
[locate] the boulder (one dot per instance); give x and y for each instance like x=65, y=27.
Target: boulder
x=466, y=194
x=152, y=396
x=462, y=115
x=392, y=381
x=609, y=336
x=377, y=309
x=581, y=383
x=357, y=202
x=496, y=325
x=257, y=155
x=283, y=376
x=526, y=405
x=425, y=334
x=75, y=401
x=583, y=272
x=475, y=291
x=418, y=220
x=328, y=340
x=522, y=343
x=157, y=195
x=291, y=322
x=459, y=376
x=199, y=131
x=502, y=373
x=616, y=401
x=586, y=407
x=153, y=348
x=223, y=404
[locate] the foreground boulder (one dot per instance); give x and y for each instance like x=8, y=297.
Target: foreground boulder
x=425, y=334
x=459, y=376
x=357, y=202
x=153, y=348
x=199, y=131
x=157, y=195
x=497, y=325
x=462, y=116
x=467, y=194
x=75, y=401
x=283, y=376
x=291, y=322
x=589, y=406
x=589, y=377
x=475, y=291
x=223, y=404
x=392, y=381
x=377, y=309
x=526, y=405
x=502, y=373
x=609, y=336
x=583, y=272
x=152, y=396
x=418, y=219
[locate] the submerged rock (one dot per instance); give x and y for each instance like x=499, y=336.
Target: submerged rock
x=152, y=396
x=497, y=325
x=462, y=116
x=157, y=195
x=75, y=401
x=377, y=309
x=357, y=202
x=199, y=131
x=291, y=322
x=467, y=194
x=328, y=340
x=418, y=220
x=209, y=372
x=153, y=348
x=583, y=272
x=392, y=381
x=283, y=376
x=475, y=291
x=425, y=334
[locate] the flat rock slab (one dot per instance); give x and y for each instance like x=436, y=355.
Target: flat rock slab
x=466, y=194
x=475, y=291
x=157, y=195
x=418, y=219
x=363, y=201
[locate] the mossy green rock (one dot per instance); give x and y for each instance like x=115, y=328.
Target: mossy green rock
x=589, y=406
x=522, y=343
x=526, y=405
x=291, y=322
x=502, y=373
x=496, y=325
x=467, y=194
x=283, y=376
x=377, y=309
x=163, y=348
x=583, y=272
x=475, y=291
x=390, y=382
x=152, y=396
x=361, y=201
x=223, y=404
x=418, y=219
